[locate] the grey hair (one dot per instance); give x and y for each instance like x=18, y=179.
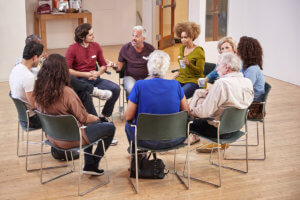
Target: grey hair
x=232, y=60
x=158, y=63
x=140, y=28
x=32, y=37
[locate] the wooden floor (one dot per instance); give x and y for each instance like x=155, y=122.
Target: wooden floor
x=278, y=177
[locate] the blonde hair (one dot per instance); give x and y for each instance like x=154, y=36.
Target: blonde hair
x=190, y=28
x=158, y=63
x=230, y=41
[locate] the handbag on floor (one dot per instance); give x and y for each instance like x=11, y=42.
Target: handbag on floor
x=148, y=169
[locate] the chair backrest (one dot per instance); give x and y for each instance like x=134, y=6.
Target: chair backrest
x=21, y=108
x=122, y=72
x=267, y=90
x=157, y=127
x=208, y=67
x=60, y=127
x=232, y=119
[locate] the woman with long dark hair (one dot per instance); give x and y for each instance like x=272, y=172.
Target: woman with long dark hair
x=251, y=53
x=53, y=95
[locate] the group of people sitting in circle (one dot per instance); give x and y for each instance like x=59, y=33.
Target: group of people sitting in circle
x=65, y=85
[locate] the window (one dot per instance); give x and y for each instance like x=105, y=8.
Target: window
x=216, y=19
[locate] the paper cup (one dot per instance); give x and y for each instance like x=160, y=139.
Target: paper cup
x=182, y=64
x=201, y=82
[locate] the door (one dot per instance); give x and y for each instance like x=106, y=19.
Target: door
x=166, y=23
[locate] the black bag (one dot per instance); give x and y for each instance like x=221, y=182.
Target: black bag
x=60, y=155
x=148, y=169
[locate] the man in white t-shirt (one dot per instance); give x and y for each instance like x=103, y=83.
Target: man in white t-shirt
x=21, y=79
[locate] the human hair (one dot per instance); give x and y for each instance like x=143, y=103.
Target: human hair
x=230, y=41
x=140, y=28
x=31, y=49
x=82, y=31
x=191, y=28
x=230, y=59
x=250, y=51
x=51, y=79
x=33, y=37
x=158, y=63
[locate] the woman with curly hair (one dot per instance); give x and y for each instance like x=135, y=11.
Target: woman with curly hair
x=251, y=53
x=226, y=44
x=53, y=95
x=191, y=58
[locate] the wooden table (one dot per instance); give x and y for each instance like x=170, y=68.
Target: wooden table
x=40, y=22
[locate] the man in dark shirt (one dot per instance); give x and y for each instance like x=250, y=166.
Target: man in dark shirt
x=135, y=55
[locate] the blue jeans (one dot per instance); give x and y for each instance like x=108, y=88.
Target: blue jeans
x=104, y=84
x=151, y=144
x=189, y=89
x=128, y=84
x=95, y=131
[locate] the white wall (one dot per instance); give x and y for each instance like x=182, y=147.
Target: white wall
x=275, y=23
x=12, y=35
x=112, y=23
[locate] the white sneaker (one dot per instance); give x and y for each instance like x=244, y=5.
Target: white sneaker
x=114, y=142
x=102, y=94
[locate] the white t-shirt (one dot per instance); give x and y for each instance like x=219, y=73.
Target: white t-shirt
x=21, y=80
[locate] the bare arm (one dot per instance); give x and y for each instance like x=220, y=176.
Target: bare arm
x=30, y=98
x=76, y=73
x=120, y=66
x=91, y=118
x=184, y=105
x=130, y=111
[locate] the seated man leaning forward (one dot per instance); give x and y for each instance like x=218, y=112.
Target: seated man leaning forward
x=231, y=90
x=134, y=54
x=155, y=95
x=21, y=79
x=82, y=58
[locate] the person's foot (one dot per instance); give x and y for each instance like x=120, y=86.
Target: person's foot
x=104, y=118
x=114, y=142
x=102, y=94
x=92, y=171
x=193, y=139
x=207, y=148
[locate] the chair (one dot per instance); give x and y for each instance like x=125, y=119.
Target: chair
x=232, y=121
x=121, y=83
x=209, y=67
x=65, y=127
x=157, y=128
x=261, y=120
x=23, y=115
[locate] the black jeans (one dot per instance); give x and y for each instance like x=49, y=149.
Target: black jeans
x=95, y=131
x=201, y=127
x=83, y=90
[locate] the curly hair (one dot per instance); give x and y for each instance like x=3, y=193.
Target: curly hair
x=250, y=51
x=82, y=31
x=230, y=41
x=191, y=28
x=51, y=79
x=158, y=63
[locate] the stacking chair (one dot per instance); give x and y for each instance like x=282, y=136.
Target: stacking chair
x=23, y=115
x=157, y=128
x=65, y=127
x=261, y=120
x=231, y=121
x=121, y=84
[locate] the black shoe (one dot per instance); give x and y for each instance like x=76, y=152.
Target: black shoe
x=104, y=119
x=92, y=171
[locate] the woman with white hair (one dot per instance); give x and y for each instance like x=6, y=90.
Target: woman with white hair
x=155, y=95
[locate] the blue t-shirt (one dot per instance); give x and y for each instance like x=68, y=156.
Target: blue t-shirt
x=156, y=96
x=256, y=76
